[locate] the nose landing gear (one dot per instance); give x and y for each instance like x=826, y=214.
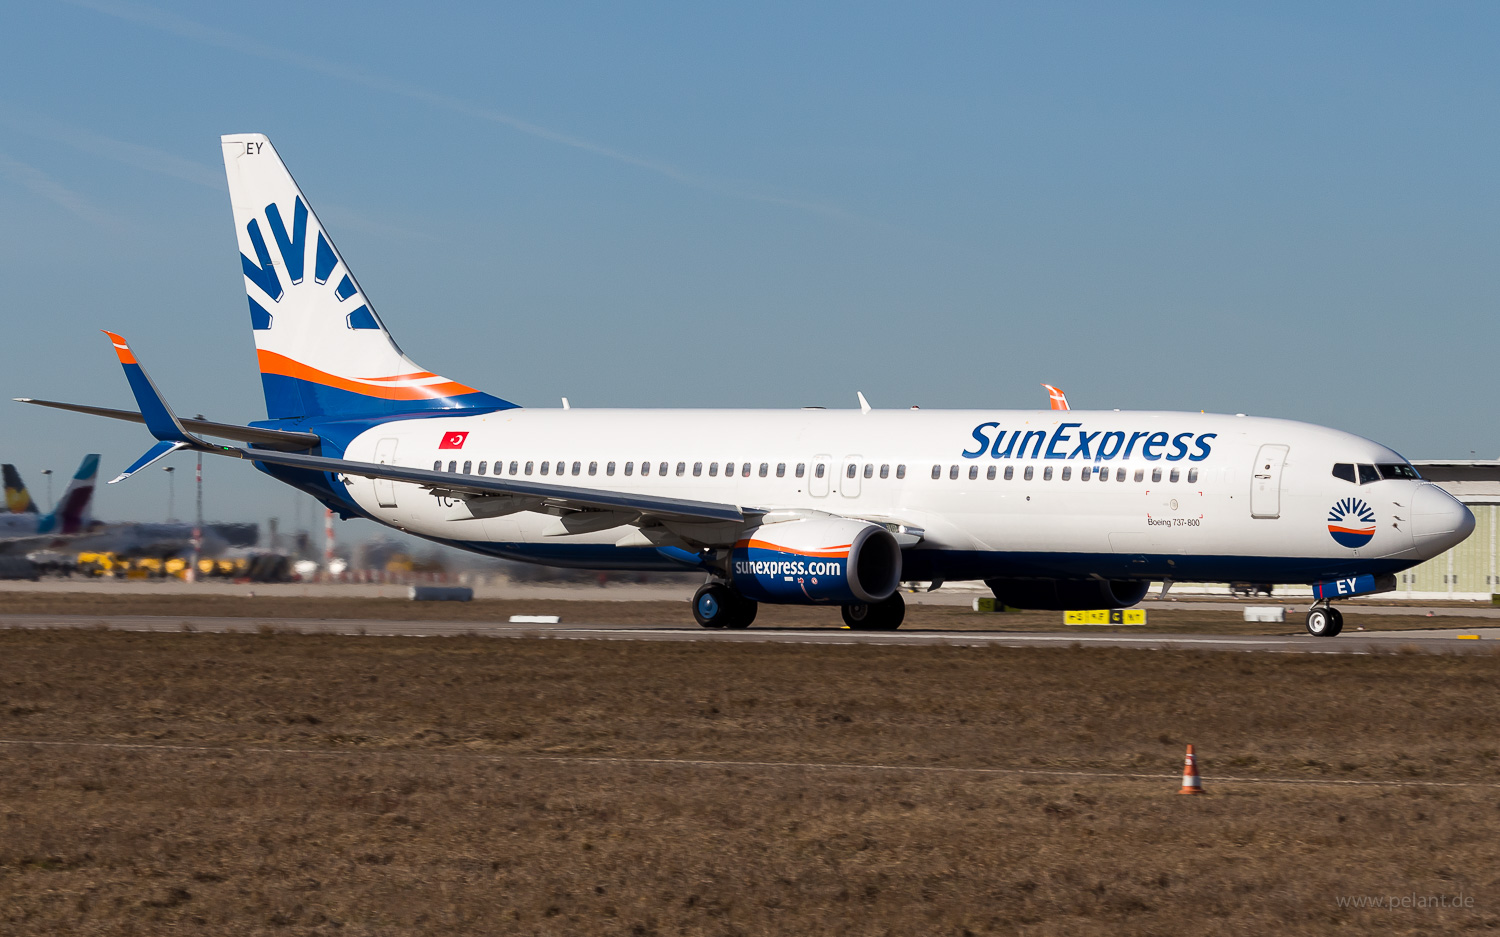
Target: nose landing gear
x=1324, y=621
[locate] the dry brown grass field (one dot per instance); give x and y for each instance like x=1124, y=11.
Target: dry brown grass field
x=314, y=784
x=1186, y=618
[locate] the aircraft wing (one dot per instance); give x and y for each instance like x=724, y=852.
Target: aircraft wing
x=478, y=486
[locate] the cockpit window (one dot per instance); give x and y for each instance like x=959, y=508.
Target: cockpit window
x=1345, y=471
x=1397, y=471
x=1368, y=474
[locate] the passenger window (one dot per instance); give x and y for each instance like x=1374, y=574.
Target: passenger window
x=801, y=469
x=818, y=470
x=885, y=471
x=513, y=468
x=781, y=470
x=1027, y=474
x=468, y=467
x=1192, y=476
x=1140, y=474
x=1104, y=474
x=452, y=467
x=937, y=471
x=662, y=468
x=870, y=470
x=952, y=472
x=765, y=469
x=850, y=470
x=973, y=472
x=744, y=469
x=1368, y=474
x=1345, y=471
x=528, y=467
x=1047, y=474
x=1086, y=473
x=630, y=467
x=483, y=466
x=697, y=469
x=1067, y=472
x=645, y=469
x=1010, y=472
x=728, y=469
x=609, y=468
x=1119, y=474
x=577, y=467
x=713, y=470
x=901, y=470
x=437, y=466
x=989, y=473
x=681, y=468
x=544, y=467
x=1176, y=474
x=593, y=468
x=1155, y=475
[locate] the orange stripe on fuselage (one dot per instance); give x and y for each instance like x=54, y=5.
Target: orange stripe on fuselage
x=833, y=552
x=272, y=363
x=1351, y=530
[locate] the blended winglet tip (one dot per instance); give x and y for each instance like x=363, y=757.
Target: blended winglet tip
x=122, y=347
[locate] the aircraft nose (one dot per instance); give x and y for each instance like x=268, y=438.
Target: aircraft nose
x=1438, y=520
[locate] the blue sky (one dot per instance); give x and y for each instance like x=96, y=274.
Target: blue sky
x=1279, y=209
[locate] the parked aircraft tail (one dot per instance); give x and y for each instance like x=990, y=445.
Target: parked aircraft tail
x=74, y=512
x=17, y=498
x=323, y=350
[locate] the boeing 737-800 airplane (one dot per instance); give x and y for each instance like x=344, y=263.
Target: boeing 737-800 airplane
x=1053, y=509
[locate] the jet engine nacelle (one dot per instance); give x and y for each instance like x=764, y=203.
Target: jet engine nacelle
x=1068, y=594
x=819, y=560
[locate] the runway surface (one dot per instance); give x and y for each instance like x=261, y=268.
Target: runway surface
x=1438, y=641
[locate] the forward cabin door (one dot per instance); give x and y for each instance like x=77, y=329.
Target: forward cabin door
x=1265, y=481
x=385, y=489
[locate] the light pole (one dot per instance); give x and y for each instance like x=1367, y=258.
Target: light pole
x=198, y=519
x=50, y=506
x=171, y=492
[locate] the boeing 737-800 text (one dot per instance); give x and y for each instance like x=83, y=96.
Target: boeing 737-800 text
x=1053, y=509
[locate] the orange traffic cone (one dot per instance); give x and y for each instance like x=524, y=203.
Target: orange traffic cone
x=1191, y=784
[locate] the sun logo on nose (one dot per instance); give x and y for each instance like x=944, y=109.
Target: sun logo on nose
x=1351, y=523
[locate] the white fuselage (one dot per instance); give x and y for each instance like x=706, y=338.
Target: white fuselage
x=1182, y=500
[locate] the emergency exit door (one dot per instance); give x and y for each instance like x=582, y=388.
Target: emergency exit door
x=385, y=489
x=1265, y=481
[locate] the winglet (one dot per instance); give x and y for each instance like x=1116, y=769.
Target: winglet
x=1059, y=399
x=160, y=419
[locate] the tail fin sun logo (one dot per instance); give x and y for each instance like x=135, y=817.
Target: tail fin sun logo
x=1351, y=523
x=262, y=272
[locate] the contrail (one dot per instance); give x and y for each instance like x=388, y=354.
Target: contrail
x=131, y=154
x=48, y=188
x=188, y=29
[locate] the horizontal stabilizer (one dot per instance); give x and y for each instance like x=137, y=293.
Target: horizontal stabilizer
x=289, y=440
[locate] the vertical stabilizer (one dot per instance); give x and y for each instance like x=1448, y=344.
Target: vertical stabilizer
x=17, y=498
x=74, y=512
x=323, y=350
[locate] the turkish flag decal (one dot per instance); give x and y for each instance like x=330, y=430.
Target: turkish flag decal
x=453, y=440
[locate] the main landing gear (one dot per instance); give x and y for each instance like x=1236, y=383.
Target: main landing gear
x=1324, y=621
x=885, y=615
x=715, y=605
